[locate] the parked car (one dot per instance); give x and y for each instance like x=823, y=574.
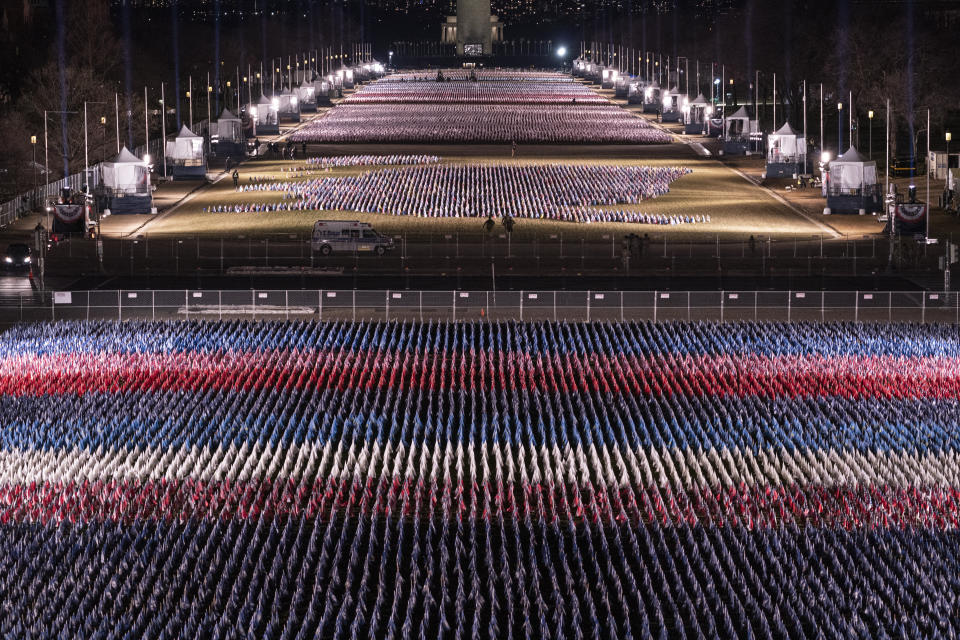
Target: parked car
x=348, y=236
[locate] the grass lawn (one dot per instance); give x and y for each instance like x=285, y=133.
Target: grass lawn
x=737, y=208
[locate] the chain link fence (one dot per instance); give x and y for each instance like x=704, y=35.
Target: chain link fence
x=407, y=305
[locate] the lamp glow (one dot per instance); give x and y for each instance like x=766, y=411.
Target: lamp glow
x=562, y=51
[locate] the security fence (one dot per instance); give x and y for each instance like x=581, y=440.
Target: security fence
x=401, y=305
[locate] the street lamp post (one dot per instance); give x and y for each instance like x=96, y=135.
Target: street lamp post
x=839, y=129
x=33, y=143
x=870, y=118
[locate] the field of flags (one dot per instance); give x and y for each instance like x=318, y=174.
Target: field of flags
x=479, y=480
x=494, y=108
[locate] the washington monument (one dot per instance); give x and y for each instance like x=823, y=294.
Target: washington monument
x=473, y=27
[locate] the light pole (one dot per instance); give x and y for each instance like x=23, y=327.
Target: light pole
x=948, y=137
x=839, y=129
x=870, y=118
x=33, y=143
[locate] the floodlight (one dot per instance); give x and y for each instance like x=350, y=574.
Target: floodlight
x=562, y=51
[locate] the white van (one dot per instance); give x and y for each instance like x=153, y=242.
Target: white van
x=348, y=236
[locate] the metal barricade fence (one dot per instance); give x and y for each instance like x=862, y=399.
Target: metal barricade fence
x=462, y=305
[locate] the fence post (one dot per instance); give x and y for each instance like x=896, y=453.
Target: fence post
x=119, y=304
x=822, y=310
x=521, y=305
x=320, y=304
x=454, y=296
x=219, y=305
x=588, y=303
x=923, y=308
x=723, y=297
x=286, y=303
x=789, y=303
x=253, y=302
x=856, y=307
x=621, y=306
x=153, y=305
x=688, y=306
x=656, y=296
x=554, y=306
x=421, y=305
x=890, y=304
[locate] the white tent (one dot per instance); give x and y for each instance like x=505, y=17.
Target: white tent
x=673, y=100
x=786, y=146
x=228, y=127
x=186, y=147
x=307, y=92
x=737, y=126
x=697, y=110
x=288, y=104
x=851, y=174
x=263, y=112
x=126, y=174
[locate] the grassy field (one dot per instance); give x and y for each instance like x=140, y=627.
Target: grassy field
x=737, y=208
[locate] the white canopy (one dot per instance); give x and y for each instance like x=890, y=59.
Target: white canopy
x=186, y=146
x=852, y=171
x=228, y=127
x=287, y=101
x=126, y=174
x=264, y=110
x=699, y=101
x=785, y=145
x=737, y=125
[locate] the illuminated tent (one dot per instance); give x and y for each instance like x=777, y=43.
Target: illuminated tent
x=608, y=78
x=851, y=185
x=739, y=133
x=185, y=155
x=226, y=135
x=672, y=106
x=696, y=115
x=786, y=153
x=307, y=96
x=125, y=182
x=651, y=98
x=288, y=106
x=263, y=115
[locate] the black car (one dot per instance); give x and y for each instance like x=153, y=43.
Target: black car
x=18, y=257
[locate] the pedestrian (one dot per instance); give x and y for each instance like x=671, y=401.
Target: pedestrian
x=513, y=149
x=753, y=245
x=488, y=225
x=236, y=179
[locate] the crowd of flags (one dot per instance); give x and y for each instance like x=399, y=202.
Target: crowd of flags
x=479, y=480
x=490, y=108
x=574, y=193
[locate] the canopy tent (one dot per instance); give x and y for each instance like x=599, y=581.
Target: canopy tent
x=652, y=98
x=786, y=153
x=673, y=103
x=695, y=115
x=740, y=133
x=621, y=88
x=263, y=115
x=288, y=106
x=125, y=185
x=851, y=185
x=786, y=145
x=608, y=77
x=307, y=96
x=346, y=77
x=851, y=172
x=186, y=147
x=126, y=174
x=228, y=128
x=185, y=155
